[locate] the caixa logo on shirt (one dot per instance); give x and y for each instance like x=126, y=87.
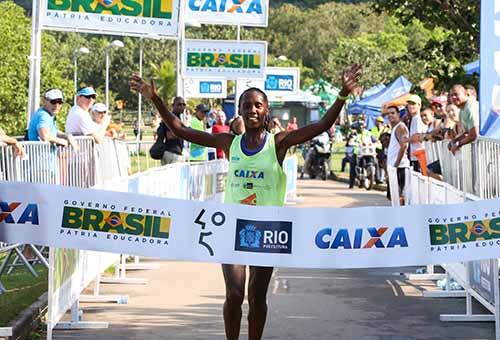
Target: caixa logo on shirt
x=263, y=236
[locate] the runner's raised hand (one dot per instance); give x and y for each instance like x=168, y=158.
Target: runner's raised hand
x=139, y=85
x=350, y=78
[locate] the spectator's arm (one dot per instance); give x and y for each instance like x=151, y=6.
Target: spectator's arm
x=18, y=148
x=469, y=137
x=46, y=136
x=402, y=137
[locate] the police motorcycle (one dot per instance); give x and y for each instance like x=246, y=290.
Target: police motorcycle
x=366, y=167
x=317, y=157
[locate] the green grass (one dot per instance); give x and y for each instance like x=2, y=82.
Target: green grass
x=22, y=290
x=143, y=163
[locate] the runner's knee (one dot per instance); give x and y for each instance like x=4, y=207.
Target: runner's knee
x=235, y=297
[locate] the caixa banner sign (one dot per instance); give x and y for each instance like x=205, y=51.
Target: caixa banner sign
x=224, y=58
x=228, y=12
x=205, y=88
x=278, y=82
x=118, y=17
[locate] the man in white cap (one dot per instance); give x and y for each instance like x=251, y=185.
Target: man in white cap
x=99, y=113
x=79, y=122
x=417, y=132
x=42, y=126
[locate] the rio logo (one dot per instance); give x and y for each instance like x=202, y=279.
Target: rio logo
x=328, y=238
x=263, y=236
x=28, y=215
x=227, y=6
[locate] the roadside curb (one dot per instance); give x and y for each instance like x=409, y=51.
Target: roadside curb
x=29, y=319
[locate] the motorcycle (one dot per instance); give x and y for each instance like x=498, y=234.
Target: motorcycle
x=366, y=168
x=319, y=160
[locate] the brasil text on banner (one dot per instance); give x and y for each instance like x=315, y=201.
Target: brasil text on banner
x=224, y=58
x=131, y=17
x=266, y=236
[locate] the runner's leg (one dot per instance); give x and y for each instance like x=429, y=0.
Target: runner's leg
x=234, y=278
x=257, y=300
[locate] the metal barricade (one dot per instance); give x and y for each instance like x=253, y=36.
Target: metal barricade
x=475, y=169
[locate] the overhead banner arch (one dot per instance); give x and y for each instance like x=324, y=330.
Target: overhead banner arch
x=118, y=17
x=228, y=12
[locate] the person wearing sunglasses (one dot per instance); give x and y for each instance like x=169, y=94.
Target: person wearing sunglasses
x=79, y=122
x=42, y=126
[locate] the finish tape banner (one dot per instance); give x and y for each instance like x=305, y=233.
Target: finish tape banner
x=172, y=229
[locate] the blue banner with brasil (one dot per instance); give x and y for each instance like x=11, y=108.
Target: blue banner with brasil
x=267, y=236
x=119, y=17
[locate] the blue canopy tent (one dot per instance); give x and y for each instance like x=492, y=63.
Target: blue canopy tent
x=472, y=68
x=371, y=106
x=372, y=90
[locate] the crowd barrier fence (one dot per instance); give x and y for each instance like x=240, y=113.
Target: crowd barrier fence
x=474, y=169
x=480, y=279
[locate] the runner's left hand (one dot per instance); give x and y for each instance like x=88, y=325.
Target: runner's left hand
x=350, y=78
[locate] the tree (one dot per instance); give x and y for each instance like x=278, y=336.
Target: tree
x=15, y=30
x=164, y=76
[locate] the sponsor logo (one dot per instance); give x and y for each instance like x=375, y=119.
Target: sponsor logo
x=263, y=236
x=209, y=87
x=223, y=60
x=463, y=232
x=226, y=6
x=383, y=237
x=279, y=83
x=114, y=222
x=161, y=9
x=29, y=213
x=250, y=200
x=235, y=158
x=249, y=174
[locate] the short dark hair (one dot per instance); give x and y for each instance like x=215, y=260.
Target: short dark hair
x=393, y=107
x=177, y=99
x=254, y=89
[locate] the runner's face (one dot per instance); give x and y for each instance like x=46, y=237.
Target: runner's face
x=254, y=110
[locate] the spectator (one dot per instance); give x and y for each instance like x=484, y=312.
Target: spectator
x=220, y=127
x=428, y=119
x=18, y=148
x=138, y=128
x=173, y=144
x=275, y=125
x=469, y=118
x=396, y=154
x=199, y=152
x=79, y=122
x=349, y=151
x=452, y=122
x=471, y=91
x=378, y=128
x=99, y=112
x=292, y=124
x=417, y=131
x=438, y=106
x=237, y=126
x=155, y=124
x=42, y=126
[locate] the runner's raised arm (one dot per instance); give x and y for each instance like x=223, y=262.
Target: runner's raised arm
x=222, y=140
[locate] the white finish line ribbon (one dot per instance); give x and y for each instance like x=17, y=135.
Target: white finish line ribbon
x=267, y=236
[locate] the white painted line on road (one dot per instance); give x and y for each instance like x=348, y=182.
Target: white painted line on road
x=393, y=288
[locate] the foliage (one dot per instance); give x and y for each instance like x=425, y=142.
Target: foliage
x=164, y=76
x=459, y=19
x=15, y=31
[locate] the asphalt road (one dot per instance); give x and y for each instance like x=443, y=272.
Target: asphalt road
x=184, y=300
